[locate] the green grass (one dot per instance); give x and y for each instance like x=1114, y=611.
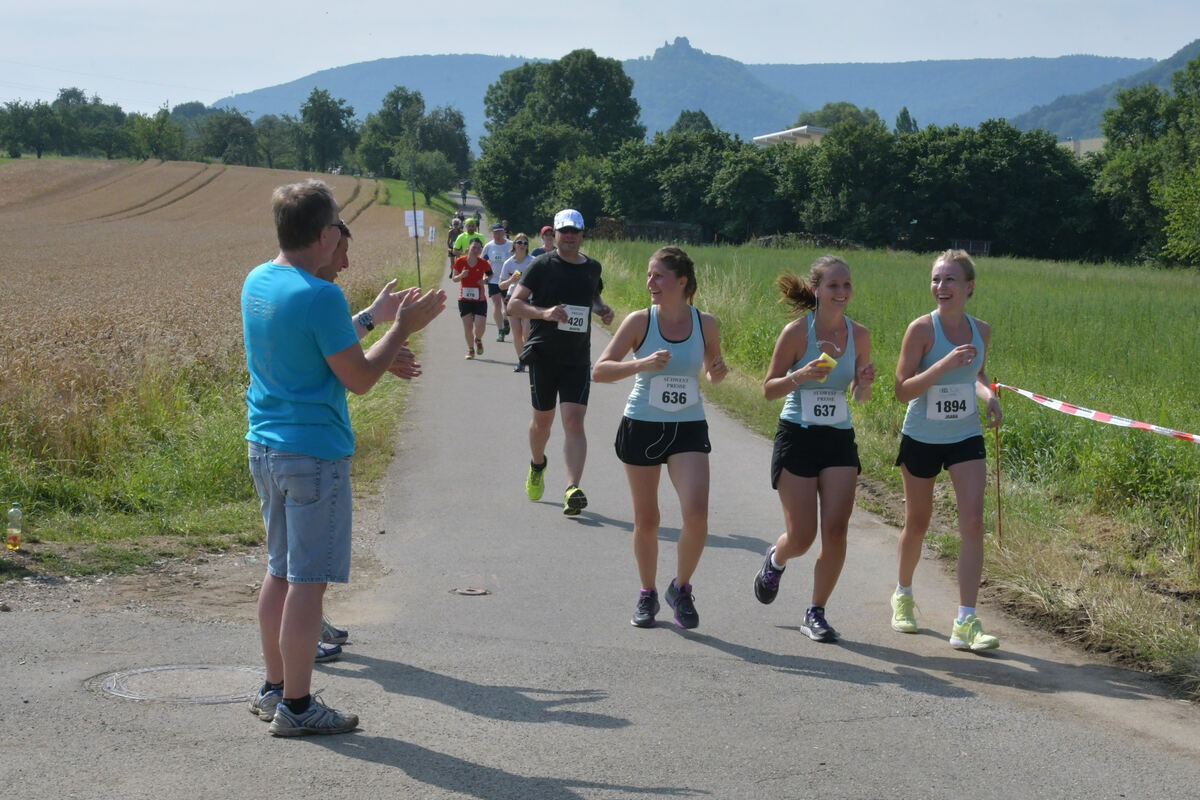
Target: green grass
x=1110, y=513
x=157, y=472
x=399, y=195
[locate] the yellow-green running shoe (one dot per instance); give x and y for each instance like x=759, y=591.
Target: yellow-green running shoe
x=904, y=615
x=969, y=635
x=574, y=501
x=478, y=346
x=534, y=485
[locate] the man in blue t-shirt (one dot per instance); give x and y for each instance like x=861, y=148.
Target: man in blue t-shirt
x=303, y=353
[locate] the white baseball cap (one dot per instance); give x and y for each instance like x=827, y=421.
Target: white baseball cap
x=568, y=218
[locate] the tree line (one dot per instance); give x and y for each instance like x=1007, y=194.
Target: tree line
x=566, y=133
x=400, y=139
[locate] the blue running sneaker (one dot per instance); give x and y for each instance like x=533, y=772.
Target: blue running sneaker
x=318, y=718
x=327, y=652
x=263, y=703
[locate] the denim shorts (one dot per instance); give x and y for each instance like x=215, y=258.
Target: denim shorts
x=306, y=509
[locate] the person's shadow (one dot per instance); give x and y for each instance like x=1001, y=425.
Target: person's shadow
x=452, y=774
x=508, y=703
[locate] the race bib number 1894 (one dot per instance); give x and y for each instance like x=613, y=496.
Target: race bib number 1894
x=950, y=401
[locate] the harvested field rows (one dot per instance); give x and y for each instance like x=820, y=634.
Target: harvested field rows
x=111, y=268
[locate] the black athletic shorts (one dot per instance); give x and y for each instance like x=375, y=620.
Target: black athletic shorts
x=804, y=452
x=926, y=460
x=494, y=289
x=644, y=444
x=550, y=382
x=469, y=307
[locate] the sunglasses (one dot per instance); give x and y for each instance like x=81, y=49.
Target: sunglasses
x=522, y=241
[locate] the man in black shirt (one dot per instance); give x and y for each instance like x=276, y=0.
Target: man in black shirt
x=559, y=293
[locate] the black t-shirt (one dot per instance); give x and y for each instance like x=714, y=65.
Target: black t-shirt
x=552, y=281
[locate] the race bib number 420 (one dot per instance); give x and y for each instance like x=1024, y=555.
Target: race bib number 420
x=823, y=406
x=950, y=401
x=577, y=319
x=674, y=392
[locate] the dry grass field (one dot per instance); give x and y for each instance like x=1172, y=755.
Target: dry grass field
x=111, y=266
x=120, y=344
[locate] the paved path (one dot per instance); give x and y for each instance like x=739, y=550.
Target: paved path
x=542, y=689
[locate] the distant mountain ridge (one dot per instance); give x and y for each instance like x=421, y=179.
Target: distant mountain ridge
x=746, y=100
x=1079, y=115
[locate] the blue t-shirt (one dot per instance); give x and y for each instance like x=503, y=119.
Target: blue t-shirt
x=292, y=320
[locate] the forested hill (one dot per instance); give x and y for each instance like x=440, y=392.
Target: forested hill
x=744, y=99
x=1079, y=115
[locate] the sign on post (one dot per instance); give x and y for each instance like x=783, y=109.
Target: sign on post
x=415, y=220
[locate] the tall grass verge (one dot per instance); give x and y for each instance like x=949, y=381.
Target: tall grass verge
x=1100, y=534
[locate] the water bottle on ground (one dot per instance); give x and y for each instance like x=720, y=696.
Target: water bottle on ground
x=13, y=540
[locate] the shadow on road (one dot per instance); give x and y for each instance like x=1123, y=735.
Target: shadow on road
x=457, y=775
x=835, y=670
x=1018, y=670
x=509, y=703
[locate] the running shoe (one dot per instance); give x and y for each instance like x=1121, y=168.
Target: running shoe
x=969, y=635
x=479, y=346
x=331, y=634
x=816, y=628
x=519, y=368
x=263, y=703
x=904, y=615
x=681, y=599
x=766, y=582
x=574, y=501
x=647, y=607
x=535, y=481
x=470, y=354
x=327, y=652
x=500, y=338
x=318, y=718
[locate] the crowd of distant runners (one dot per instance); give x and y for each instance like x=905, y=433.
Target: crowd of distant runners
x=546, y=299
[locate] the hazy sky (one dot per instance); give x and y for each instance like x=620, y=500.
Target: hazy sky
x=142, y=55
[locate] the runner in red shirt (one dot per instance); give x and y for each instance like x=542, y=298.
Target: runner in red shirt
x=471, y=273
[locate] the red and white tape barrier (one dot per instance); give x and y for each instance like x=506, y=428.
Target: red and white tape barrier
x=1098, y=416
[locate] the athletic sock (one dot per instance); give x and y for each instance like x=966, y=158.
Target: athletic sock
x=964, y=612
x=272, y=687
x=299, y=705
x=539, y=467
x=903, y=589
x=775, y=565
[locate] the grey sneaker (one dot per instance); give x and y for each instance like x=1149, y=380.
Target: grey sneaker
x=647, y=607
x=262, y=704
x=319, y=719
x=679, y=597
x=331, y=634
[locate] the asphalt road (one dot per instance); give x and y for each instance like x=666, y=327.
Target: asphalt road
x=542, y=689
